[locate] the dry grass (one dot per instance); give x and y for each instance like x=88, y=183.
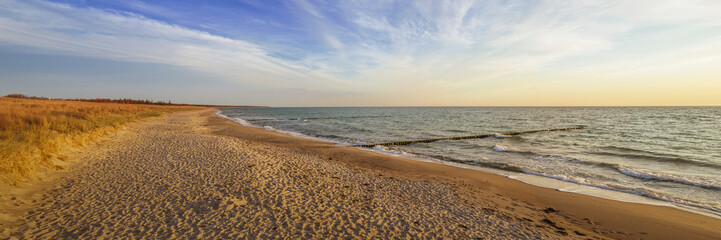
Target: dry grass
x=35, y=134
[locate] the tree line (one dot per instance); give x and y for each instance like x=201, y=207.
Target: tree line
x=99, y=100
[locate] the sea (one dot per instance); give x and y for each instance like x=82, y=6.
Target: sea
x=669, y=154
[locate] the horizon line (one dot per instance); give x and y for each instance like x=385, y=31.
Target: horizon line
x=499, y=106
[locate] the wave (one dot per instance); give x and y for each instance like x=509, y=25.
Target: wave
x=635, y=191
x=242, y=122
x=291, y=133
x=664, y=159
x=501, y=148
x=237, y=120
x=669, y=177
x=613, y=187
x=492, y=165
x=386, y=150
x=547, y=157
x=499, y=135
x=270, y=128
x=455, y=131
x=690, y=180
x=306, y=119
x=636, y=151
x=262, y=119
x=346, y=117
x=541, y=157
x=339, y=140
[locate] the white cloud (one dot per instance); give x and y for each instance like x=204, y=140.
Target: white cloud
x=125, y=36
x=485, y=40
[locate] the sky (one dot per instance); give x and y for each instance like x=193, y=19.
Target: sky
x=366, y=53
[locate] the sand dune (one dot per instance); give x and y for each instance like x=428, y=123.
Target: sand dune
x=189, y=176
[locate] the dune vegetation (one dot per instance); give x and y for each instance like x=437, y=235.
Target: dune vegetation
x=36, y=134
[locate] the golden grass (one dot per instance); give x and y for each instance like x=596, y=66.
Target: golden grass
x=34, y=134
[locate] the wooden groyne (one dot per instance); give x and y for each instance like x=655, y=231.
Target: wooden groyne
x=464, y=137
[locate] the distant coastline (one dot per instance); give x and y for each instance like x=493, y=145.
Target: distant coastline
x=128, y=101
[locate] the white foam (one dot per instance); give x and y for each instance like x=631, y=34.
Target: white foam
x=501, y=148
x=380, y=148
x=242, y=122
x=570, y=179
x=238, y=120
x=395, y=152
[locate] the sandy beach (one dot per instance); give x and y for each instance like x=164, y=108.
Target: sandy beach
x=196, y=175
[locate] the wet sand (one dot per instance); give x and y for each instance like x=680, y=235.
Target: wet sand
x=196, y=175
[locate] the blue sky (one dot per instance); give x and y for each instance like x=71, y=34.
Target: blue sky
x=366, y=53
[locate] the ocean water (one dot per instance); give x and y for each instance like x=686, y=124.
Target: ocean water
x=671, y=154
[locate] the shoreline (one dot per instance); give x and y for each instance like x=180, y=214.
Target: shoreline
x=532, y=179
x=645, y=214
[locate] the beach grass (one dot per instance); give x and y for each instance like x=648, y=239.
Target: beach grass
x=35, y=134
